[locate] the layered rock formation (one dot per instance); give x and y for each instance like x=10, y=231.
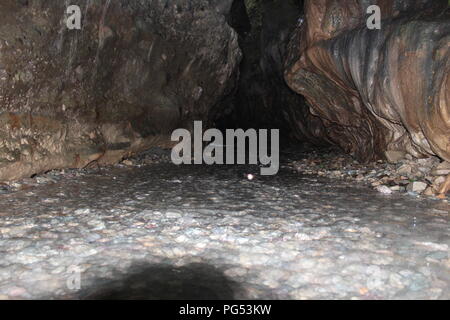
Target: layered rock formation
x=376, y=91
x=133, y=73
x=137, y=70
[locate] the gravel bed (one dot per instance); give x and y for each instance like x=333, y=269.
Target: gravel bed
x=165, y=231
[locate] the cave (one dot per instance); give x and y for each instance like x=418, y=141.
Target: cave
x=225, y=149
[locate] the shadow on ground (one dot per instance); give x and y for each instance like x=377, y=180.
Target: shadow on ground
x=197, y=281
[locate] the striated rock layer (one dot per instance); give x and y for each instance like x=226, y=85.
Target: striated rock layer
x=376, y=91
x=133, y=73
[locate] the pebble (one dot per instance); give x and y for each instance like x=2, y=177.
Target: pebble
x=417, y=186
x=443, y=169
x=173, y=214
x=384, y=189
x=421, y=176
x=290, y=236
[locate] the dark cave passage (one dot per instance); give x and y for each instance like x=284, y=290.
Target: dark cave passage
x=224, y=149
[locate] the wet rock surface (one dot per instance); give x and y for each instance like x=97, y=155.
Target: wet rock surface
x=376, y=91
x=134, y=72
x=210, y=231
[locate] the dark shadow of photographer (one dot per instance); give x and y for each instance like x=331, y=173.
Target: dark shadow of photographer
x=197, y=281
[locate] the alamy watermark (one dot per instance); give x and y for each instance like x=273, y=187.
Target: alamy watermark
x=374, y=20
x=190, y=149
x=73, y=281
x=73, y=21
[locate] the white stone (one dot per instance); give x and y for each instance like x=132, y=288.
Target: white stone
x=384, y=189
x=417, y=186
x=173, y=214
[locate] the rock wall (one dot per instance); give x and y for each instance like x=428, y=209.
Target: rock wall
x=262, y=98
x=376, y=91
x=133, y=73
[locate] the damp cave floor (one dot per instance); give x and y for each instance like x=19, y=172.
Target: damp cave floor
x=207, y=232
